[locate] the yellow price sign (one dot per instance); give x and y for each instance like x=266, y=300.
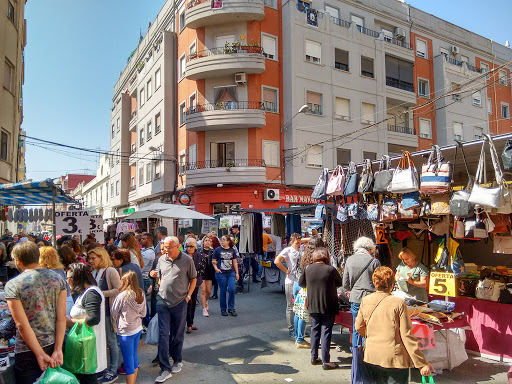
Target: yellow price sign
x=442, y=283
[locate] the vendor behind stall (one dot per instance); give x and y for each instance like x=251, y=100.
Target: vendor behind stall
x=411, y=275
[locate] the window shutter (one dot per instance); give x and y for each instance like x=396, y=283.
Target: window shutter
x=313, y=98
x=314, y=158
x=269, y=46
x=421, y=48
x=313, y=49
x=425, y=128
x=271, y=153
x=368, y=112
x=457, y=131
x=342, y=107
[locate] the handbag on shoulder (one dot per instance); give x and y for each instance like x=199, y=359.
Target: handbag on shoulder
x=383, y=177
x=405, y=178
x=435, y=175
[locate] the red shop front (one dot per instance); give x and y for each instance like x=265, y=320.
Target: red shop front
x=212, y=199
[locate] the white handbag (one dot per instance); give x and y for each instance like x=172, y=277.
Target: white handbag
x=503, y=244
x=405, y=178
x=336, y=182
x=488, y=289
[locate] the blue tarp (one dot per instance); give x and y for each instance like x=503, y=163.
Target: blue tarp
x=32, y=193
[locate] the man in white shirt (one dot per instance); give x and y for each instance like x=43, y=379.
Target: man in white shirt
x=290, y=255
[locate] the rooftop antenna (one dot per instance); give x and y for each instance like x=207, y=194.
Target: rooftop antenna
x=507, y=44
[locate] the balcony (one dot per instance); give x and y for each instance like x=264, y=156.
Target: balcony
x=133, y=121
x=225, y=61
x=400, y=43
x=402, y=135
x=401, y=129
x=400, y=84
x=368, y=32
x=226, y=115
x=237, y=171
x=201, y=13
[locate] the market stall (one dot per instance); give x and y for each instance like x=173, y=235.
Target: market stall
x=452, y=207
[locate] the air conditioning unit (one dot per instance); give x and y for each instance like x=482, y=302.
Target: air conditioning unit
x=271, y=194
x=400, y=33
x=241, y=78
x=454, y=49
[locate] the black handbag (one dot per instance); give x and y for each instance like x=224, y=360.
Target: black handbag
x=383, y=176
x=320, y=188
x=366, y=181
x=351, y=180
x=506, y=155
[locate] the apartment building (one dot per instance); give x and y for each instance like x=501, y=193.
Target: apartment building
x=14, y=39
x=253, y=97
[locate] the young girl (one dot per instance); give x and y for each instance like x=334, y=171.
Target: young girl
x=129, y=309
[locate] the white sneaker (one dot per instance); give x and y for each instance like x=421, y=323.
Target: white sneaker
x=164, y=375
x=205, y=312
x=4, y=364
x=176, y=367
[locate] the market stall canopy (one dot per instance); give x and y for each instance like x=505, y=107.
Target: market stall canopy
x=303, y=209
x=175, y=212
x=32, y=193
x=471, y=151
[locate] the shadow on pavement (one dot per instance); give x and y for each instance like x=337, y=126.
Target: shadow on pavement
x=247, y=348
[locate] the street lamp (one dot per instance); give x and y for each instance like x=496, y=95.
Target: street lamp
x=304, y=109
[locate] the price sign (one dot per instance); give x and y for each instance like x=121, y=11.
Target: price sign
x=381, y=235
x=442, y=283
x=95, y=224
x=72, y=222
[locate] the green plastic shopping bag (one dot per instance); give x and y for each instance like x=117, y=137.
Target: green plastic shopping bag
x=424, y=380
x=80, y=352
x=57, y=376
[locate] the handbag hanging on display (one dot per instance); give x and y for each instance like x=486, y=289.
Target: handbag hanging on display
x=406, y=214
x=411, y=200
x=501, y=223
x=435, y=175
x=336, y=182
x=351, y=180
x=426, y=208
x=383, y=177
x=366, y=180
x=503, y=245
x=440, y=204
x=372, y=211
x=405, y=178
x=459, y=202
x=506, y=155
x=388, y=211
x=342, y=214
x=320, y=212
x=319, y=191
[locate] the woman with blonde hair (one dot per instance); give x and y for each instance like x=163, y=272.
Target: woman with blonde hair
x=411, y=275
x=128, y=310
x=49, y=259
x=109, y=282
x=129, y=242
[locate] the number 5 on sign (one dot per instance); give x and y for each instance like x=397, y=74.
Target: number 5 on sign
x=442, y=283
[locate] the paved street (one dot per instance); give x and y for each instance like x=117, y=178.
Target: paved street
x=254, y=348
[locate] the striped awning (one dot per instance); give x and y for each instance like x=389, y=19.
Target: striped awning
x=32, y=193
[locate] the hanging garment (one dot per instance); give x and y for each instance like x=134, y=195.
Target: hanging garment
x=257, y=231
x=293, y=224
x=246, y=234
x=278, y=225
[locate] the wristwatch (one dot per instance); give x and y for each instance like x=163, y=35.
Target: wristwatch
x=189, y=297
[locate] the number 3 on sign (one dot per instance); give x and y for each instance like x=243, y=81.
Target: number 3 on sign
x=381, y=235
x=442, y=283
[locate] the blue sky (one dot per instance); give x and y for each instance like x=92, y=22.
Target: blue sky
x=76, y=50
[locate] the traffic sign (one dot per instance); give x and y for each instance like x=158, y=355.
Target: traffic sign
x=72, y=222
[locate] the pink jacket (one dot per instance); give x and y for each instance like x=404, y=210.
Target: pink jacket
x=127, y=312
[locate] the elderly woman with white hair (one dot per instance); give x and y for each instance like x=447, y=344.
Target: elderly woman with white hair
x=357, y=278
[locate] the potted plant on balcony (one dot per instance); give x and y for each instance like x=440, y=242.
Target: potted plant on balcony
x=229, y=165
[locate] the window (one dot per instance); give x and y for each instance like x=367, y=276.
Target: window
x=387, y=35
x=340, y=59
x=117, y=188
x=342, y=108
x=477, y=99
x=182, y=115
x=182, y=20
x=10, y=11
x=4, y=140
x=269, y=99
x=484, y=68
x=134, y=148
x=479, y=133
x=9, y=76
x=111, y=161
x=157, y=79
x=182, y=163
x=423, y=88
x=112, y=189
x=148, y=173
x=148, y=89
x=132, y=183
x=313, y=52
x=157, y=124
x=334, y=13
x=366, y=67
x=118, y=124
x=192, y=102
x=343, y=156
x=221, y=154
x=142, y=98
x=421, y=48
x=489, y=106
x=458, y=131
x=192, y=50
x=358, y=21
x=505, y=111
x=455, y=90
x=314, y=101
x=425, y=130
x=271, y=153
x=444, y=52
x=503, y=77
x=192, y=154
x=270, y=3
x=269, y=44
x=141, y=137
x=370, y=155
x=399, y=74
x=368, y=113
x=314, y=156
x=141, y=175
x=106, y=192
x=464, y=59
x=157, y=169
x=113, y=130
x=181, y=67
x=223, y=41
x=118, y=157
x=149, y=133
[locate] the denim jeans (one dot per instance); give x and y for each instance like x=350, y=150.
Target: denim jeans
x=112, y=346
x=145, y=320
x=357, y=339
x=171, y=332
x=288, y=291
x=226, y=282
x=299, y=325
